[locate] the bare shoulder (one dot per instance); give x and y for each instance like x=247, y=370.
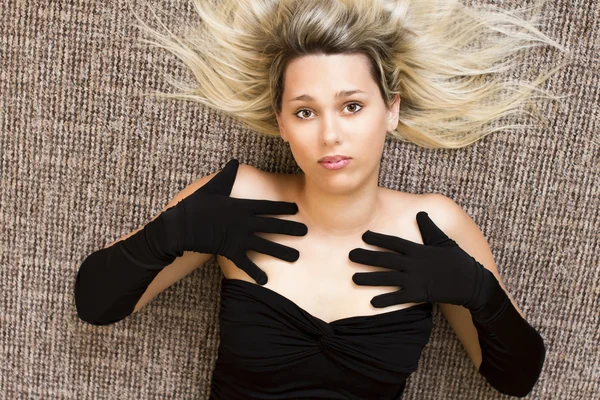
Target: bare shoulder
x=405, y=203
x=441, y=209
x=452, y=219
x=403, y=207
x=253, y=183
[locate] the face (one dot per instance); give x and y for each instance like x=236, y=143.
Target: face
x=320, y=124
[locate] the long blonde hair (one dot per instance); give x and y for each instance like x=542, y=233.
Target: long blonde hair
x=438, y=55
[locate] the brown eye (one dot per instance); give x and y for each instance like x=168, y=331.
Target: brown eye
x=303, y=116
x=354, y=104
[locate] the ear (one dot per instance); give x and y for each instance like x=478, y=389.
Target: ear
x=394, y=114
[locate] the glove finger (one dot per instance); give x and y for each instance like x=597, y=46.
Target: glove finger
x=431, y=234
x=252, y=270
x=264, y=246
x=268, y=207
x=277, y=225
x=383, y=259
x=222, y=183
x=403, y=296
x=390, y=299
x=389, y=242
x=378, y=278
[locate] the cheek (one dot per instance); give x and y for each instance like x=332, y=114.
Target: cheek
x=299, y=148
x=300, y=138
x=305, y=154
x=374, y=123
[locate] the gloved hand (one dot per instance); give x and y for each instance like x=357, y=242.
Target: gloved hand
x=513, y=352
x=436, y=271
x=111, y=281
x=209, y=221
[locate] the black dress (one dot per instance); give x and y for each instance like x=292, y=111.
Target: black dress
x=270, y=348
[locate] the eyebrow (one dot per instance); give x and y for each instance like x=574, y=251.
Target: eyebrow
x=341, y=93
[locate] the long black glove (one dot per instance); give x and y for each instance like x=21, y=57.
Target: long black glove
x=440, y=271
x=111, y=281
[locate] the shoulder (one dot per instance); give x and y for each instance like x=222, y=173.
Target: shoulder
x=253, y=183
x=451, y=218
x=247, y=172
x=458, y=225
x=444, y=211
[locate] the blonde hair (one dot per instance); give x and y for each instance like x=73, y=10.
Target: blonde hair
x=438, y=55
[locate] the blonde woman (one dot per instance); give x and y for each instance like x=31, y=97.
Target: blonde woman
x=329, y=279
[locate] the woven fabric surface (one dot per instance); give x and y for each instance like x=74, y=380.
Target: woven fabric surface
x=84, y=160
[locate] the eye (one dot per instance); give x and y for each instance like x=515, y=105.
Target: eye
x=349, y=104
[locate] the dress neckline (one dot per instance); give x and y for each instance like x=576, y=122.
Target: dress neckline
x=422, y=306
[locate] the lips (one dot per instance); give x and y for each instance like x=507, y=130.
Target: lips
x=333, y=159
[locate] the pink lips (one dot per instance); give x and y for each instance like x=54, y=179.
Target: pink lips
x=336, y=165
x=334, y=158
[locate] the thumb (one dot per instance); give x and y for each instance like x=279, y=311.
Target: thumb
x=431, y=234
x=222, y=183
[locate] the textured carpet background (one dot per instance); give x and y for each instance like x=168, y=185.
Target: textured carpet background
x=84, y=161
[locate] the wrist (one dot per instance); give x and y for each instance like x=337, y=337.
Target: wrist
x=488, y=299
x=163, y=234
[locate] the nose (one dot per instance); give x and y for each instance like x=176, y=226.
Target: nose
x=331, y=132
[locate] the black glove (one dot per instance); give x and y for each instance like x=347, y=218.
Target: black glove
x=111, y=281
x=209, y=221
x=438, y=271
x=513, y=352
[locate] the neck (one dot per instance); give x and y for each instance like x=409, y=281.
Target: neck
x=346, y=213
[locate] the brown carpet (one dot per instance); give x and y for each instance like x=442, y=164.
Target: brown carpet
x=84, y=161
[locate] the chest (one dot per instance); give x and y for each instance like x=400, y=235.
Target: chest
x=320, y=281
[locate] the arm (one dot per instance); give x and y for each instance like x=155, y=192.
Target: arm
x=204, y=219
x=504, y=347
x=110, y=285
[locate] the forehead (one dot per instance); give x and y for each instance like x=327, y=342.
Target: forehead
x=321, y=74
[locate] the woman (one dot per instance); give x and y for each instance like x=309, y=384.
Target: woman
x=329, y=279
